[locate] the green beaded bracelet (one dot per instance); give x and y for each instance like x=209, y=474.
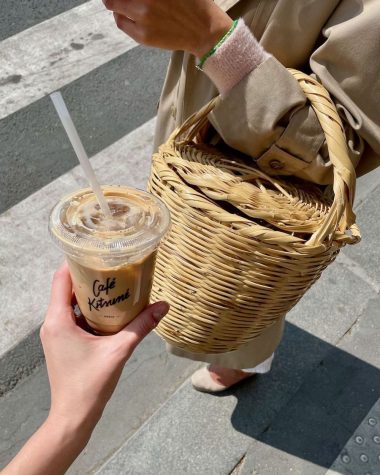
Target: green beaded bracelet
x=218, y=44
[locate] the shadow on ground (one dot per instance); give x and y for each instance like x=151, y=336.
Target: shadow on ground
x=336, y=391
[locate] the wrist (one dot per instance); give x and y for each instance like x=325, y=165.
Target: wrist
x=77, y=425
x=236, y=56
x=210, y=35
x=215, y=48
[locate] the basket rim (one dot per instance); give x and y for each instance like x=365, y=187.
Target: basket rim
x=340, y=223
x=264, y=234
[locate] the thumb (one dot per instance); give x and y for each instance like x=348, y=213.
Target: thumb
x=143, y=324
x=61, y=290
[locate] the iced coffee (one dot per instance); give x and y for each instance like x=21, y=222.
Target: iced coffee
x=111, y=261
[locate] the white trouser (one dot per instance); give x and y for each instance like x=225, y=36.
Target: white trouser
x=261, y=368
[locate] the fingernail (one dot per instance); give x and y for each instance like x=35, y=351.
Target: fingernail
x=160, y=311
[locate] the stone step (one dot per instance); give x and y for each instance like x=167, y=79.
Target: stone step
x=80, y=40
x=106, y=104
x=149, y=379
x=200, y=434
x=298, y=418
x=156, y=424
x=320, y=426
x=28, y=257
x=95, y=65
x=362, y=451
x=294, y=420
x=25, y=14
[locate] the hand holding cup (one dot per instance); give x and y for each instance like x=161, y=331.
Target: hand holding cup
x=194, y=26
x=84, y=368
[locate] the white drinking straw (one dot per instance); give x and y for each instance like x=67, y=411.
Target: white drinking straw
x=76, y=142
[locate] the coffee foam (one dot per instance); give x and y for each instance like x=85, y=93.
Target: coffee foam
x=138, y=222
x=85, y=216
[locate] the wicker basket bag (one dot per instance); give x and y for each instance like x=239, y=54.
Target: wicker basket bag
x=244, y=247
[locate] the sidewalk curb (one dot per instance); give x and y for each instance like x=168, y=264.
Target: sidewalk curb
x=20, y=361
x=26, y=223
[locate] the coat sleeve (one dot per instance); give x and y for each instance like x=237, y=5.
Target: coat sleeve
x=267, y=116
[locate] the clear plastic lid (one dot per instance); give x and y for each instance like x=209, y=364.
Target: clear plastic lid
x=139, y=221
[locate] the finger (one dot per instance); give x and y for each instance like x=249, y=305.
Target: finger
x=130, y=9
x=61, y=290
x=128, y=26
x=143, y=324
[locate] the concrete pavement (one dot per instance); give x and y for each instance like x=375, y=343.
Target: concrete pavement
x=317, y=411
x=25, y=240
x=16, y=17
x=298, y=419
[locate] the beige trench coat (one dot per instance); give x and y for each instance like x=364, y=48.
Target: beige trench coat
x=266, y=115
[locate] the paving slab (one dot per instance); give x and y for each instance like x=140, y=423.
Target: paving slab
x=366, y=185
x=76, y=47
x=329, y=409
x=16, y=17
x=260, y=457
x=106, y=104
x=205, y=443
x=201, y=434
x=189, y=435
x=149, y=378
x=333, y=304
x=366, y=254
x=28, y=258
x=361, y=454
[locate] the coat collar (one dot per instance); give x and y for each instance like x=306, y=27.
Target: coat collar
x=226, y=4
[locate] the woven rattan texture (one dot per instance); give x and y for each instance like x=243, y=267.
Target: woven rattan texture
x=243, y=247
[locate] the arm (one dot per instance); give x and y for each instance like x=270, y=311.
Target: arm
x=193, y=26
x=266, y=116
x=53, y=448
x=234, y=58
x=83, y=372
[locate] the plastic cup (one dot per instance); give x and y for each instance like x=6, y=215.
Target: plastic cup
x=111, y=262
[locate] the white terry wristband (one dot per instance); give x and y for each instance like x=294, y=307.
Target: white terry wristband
x=237, y=56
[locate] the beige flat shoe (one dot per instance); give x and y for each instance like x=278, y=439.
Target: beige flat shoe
x=203, y=382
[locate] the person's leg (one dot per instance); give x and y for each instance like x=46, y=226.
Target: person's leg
x=216, y=378
x=261, y=368
x=227, y=369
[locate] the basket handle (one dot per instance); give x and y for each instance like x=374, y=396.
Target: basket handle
x=341, y=217
x=193, y=124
